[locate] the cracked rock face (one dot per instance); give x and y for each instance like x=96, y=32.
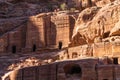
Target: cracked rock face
x=95, y=24
x=101, y=3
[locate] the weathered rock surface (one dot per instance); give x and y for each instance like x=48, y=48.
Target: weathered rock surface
x=21, y=9
x=10, y=24
x=96, y=34
x=12, y=62
x=101, y=3
x=95, y=24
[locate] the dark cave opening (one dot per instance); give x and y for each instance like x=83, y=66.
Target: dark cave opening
x=34, y=48
x=115, y=60
x=73, y=69
x=60, y=45
x=13, y=49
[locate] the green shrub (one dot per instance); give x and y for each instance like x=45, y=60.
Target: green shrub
x=63, y=6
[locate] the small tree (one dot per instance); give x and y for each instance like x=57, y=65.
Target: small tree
x=63, y=6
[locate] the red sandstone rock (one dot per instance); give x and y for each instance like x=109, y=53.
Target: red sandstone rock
x=48, y=30
x=94, y=22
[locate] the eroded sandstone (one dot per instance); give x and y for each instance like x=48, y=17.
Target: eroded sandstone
x=60, y=45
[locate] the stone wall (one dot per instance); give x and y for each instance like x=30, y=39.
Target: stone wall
x=36, y=32
x=16, y=39
x=13, y=38
x=106, y=49
x=85, y=69
x=105, y=72
x=99, y=50
x=42, y=31
x=117, y=72
x=12, y=34
x=58, y=71
x=63, y=29
x=48, y=31
x=45, y=72
x=80, y=51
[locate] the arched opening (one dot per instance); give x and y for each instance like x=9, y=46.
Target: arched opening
x=34, y=48
x=73, y=70
x=115, y=60
x=60, y=45
x=105, y=35
x=13, y=49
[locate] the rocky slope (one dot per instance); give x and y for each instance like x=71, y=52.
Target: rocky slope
x=13, y=62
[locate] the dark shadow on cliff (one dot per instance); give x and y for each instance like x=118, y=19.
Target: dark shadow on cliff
x=35, y=34
x=52, y=39
x=72, y=25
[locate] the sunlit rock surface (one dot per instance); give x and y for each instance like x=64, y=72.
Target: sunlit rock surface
x=40, y=42
x=95, y=24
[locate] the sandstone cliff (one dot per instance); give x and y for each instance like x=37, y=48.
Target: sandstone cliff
x=95, y=24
